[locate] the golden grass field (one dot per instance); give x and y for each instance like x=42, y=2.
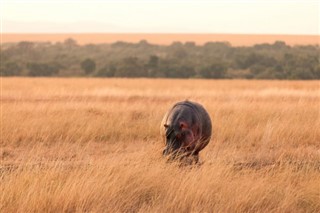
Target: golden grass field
x=93, y=145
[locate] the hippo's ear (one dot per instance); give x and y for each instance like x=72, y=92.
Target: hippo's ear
x=183, y=125
x=166, y=126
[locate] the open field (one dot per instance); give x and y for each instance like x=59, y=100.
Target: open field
x=93, y=145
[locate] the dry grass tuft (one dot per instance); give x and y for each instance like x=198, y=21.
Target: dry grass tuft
x=93, y=145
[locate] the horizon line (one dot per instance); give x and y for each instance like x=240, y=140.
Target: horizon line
x=164, y=33
x=163, y=38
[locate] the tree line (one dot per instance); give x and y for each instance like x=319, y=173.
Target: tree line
x=178, y=60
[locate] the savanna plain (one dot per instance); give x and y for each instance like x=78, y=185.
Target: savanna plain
x=93, y=145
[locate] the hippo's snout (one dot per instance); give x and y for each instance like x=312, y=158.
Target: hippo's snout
x=172, y=147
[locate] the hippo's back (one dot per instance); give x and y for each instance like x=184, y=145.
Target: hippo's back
x=204, y=122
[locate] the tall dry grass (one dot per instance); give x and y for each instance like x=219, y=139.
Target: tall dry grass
x=93, y=145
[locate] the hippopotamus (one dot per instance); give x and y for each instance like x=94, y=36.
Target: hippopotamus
x=186, y=129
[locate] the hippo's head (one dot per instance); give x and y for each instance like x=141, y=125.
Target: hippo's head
x=180, y=140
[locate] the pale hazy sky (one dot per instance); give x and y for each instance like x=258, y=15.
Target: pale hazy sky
x=154, y=16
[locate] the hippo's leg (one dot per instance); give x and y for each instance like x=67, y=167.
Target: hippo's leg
x=192, y=159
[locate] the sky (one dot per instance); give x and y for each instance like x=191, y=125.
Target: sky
x=297, y=17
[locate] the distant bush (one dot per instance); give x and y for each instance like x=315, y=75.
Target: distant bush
x=43, y=69
x=88, y=65
x=178, y=60
x=215, y=70
x=107, y=71
x=10, y=69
